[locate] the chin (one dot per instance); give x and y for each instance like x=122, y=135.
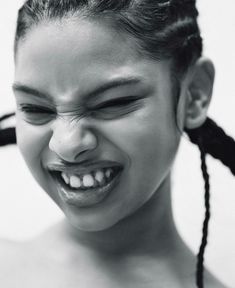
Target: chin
x=91, y=222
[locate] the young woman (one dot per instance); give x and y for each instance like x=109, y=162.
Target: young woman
x=104, y=92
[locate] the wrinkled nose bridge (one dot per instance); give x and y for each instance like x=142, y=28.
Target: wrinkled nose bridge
x=70, y=138
x=64, y=127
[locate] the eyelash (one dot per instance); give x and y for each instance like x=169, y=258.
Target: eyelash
x=29, y=108
x=117, y=102
x=39, y=115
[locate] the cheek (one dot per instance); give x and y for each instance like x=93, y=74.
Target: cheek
x=153, y=152
x=148, y=137
x=31, y=141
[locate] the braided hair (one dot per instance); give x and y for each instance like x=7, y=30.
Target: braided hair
x=163, y=29
x=7, y=135
x=210, y=139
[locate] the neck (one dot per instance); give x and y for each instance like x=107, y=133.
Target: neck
x=150, y=230
x=145, y=242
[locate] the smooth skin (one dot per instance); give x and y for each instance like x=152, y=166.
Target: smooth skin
x=129, y=239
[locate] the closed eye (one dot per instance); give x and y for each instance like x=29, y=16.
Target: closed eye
x=117, y=102
x=116, y=108
x=36, y=115
x=35, y=109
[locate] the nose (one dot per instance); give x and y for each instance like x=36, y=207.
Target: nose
x=70, y=140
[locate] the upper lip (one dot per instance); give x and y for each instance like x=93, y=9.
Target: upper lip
x=82, y=168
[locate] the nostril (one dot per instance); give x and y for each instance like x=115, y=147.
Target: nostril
x=73, y=144
x=81, y=155
x=82, y=152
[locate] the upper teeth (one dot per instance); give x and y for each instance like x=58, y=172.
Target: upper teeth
x=99, y=176
x=88, y=180
x=74, y=181
x=93, y=179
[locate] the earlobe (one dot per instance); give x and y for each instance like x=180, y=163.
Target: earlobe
x=199, y=92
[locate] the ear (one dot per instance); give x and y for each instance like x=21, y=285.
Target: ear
x=198, y=93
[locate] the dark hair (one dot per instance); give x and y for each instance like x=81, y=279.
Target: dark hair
x=164, y=29
x=210, y=139
x=7, y=135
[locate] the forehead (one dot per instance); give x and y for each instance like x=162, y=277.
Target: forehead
x=58, y=55
x=72, y=35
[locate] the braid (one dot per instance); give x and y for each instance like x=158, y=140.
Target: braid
x=215, y=142
x=6, y=116
x=164, y=29
x=7, y=135
x=210, y=139
x=200, y=256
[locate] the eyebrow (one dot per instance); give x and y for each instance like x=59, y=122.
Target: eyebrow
x=29, y=90
x=119, y=82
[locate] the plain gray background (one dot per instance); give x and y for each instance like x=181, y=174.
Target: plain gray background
x=25, y=210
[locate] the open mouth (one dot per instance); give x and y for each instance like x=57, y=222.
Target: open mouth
x=94, y=179
x=89, y=188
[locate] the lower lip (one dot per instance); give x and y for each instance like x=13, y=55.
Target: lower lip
x=88, y=197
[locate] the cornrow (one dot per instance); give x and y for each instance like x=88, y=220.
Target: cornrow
x=164, y=29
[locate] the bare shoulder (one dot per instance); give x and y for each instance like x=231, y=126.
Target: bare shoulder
x=10, y=254
x=14, y=253
x=212, y=282
x=209, y=281
x=11, y=263
x=8, y=249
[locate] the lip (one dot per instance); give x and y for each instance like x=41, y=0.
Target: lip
x=82, y=168
x=85, y=198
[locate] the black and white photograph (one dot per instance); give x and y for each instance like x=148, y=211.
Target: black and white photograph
x=117, y=144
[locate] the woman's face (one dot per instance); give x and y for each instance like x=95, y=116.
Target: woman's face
x=93, y=113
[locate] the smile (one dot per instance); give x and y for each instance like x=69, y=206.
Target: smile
x=86, y=189
x=97, y=178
